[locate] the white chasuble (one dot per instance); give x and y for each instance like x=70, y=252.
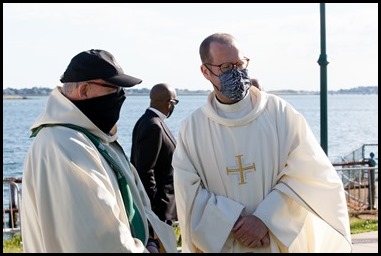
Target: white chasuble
x=257, y=157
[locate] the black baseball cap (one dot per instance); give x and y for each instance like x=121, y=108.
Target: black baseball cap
x=97, y=64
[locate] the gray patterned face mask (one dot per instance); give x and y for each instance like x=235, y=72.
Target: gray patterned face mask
x=235, y=84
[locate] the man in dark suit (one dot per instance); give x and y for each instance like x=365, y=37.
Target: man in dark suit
x=152, y=149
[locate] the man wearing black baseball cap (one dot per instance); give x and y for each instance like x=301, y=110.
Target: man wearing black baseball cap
x=80, y=192
x=97, y=64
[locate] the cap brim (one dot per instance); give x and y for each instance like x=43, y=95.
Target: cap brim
x=123, y=80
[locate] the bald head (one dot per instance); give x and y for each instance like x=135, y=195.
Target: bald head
x=161, y=92
x=160, y=96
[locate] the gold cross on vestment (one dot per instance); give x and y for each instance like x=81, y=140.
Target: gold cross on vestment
x=241, y=169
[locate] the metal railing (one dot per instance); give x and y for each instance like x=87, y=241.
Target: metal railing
x=11, y=205
x=361, y=187
x=359, y=175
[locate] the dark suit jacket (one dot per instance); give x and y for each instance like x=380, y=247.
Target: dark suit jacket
x=151, y=154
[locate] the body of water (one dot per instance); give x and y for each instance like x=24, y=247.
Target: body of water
x=352, y=121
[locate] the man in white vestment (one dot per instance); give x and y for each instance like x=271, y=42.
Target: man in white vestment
x=249, y=174
x=80, y=193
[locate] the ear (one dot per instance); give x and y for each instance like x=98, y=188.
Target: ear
x=82, y=90
x=205, y=72
x=169, y=104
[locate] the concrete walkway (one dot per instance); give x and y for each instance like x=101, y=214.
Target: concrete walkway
x=365, y=242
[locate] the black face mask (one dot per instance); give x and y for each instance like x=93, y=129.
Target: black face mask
x=103, y=111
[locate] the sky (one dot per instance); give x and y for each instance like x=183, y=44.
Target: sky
x=160, y=42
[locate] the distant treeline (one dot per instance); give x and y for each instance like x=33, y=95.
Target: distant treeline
x=356, y=90
x=43, y=91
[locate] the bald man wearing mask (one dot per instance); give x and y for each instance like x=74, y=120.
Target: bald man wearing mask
x=152, y=148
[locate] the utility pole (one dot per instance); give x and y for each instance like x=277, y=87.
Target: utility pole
x=323, y=84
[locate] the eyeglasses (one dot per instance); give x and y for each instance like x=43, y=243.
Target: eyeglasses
x=227, y=66
x=174, y=101
x=107, y=85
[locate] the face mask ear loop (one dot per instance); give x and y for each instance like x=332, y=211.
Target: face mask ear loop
x=215, y=86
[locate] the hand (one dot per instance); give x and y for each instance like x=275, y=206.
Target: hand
x=153, y=245
x=152, y=249
x=251, y=232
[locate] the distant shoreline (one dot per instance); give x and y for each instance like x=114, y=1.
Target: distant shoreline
x=11, y=93
x=279, y=93
x=14, y=97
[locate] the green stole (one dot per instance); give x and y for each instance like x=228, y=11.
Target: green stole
x=134, y=217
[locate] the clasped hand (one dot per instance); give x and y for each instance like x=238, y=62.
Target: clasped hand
x=251, y=232
x=152, y=249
